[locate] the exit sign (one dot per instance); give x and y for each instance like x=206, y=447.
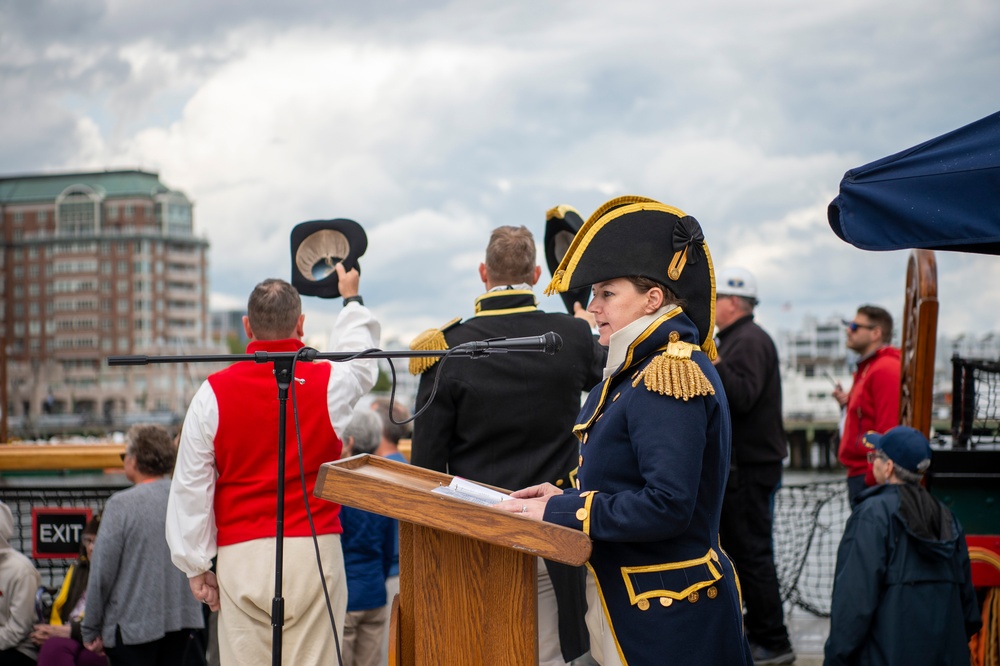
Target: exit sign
x=56, y=532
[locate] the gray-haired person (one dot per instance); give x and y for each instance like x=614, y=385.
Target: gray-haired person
x=368, y=542
x=139, y=605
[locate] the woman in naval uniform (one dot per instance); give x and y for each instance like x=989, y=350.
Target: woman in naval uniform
x=654, y=444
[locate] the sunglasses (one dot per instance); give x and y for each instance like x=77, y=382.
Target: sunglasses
x=853, y=326
x=876, y=455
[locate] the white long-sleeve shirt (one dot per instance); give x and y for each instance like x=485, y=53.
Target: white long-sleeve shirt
x=191, y=530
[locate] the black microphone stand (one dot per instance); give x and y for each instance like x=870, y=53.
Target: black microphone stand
x=283, y=363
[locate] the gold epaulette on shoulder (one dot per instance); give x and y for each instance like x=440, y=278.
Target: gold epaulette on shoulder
x=673, y=372
x=430, y=340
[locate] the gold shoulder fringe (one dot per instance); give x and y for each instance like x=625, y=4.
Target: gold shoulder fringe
x=430, y=340
x=673, y=372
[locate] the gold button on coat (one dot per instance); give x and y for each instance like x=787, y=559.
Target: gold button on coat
x=712, y=593
x=643, y=604
x=666, y=602
x=693, y=597
x=581, y=514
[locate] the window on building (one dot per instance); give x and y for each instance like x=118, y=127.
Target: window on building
x=77, y=211
x=129, y=211
x=42, y=215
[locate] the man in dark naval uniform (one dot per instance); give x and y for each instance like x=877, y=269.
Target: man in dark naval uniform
x=507, y=420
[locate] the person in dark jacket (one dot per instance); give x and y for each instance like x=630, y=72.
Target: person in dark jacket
x=507, y=420
x=902, y=592
x=368, y=543
x=655, y=438
x=748, y=366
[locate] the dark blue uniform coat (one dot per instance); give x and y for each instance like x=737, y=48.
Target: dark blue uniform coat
x=651, y=480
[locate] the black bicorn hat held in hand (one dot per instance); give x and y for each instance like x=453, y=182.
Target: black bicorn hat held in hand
x=561, y=225
x=318, y=246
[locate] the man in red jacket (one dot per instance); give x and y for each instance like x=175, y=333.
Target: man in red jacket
x=873, y=401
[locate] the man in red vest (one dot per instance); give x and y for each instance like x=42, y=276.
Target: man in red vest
x=224, y=490
x=873, y=401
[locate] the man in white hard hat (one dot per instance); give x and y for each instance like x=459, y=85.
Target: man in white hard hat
x=748, y=366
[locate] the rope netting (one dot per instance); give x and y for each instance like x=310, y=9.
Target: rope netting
x=808, y=524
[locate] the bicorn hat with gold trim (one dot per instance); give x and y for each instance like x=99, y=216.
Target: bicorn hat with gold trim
x=634, y=236
x=317, y=246
x=561, y=225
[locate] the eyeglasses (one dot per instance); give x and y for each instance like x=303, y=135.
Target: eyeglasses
x=853, y=326
x=876, y=455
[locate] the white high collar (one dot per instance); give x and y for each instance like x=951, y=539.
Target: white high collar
x=621, y=340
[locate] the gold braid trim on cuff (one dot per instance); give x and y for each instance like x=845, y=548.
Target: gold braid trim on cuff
x=673, y=373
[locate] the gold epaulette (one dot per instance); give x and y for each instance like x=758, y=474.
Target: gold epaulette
x=673, y=372
x=430, y=340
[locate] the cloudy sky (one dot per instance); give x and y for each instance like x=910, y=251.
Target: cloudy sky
x=432, y=122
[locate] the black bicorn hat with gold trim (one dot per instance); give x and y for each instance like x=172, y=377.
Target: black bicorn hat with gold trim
x=633, y=236
x=318, y=246
x=561, y=225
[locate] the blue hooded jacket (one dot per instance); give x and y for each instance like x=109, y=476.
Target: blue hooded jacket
x=902, y=592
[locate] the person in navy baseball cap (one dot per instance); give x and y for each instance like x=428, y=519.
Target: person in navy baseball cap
x=902, y=588
x=905, y=447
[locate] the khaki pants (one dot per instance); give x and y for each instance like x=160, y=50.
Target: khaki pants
x=603, y=648
x=549, y=650
x=364, y=637
x=246, y=588
x=391, y=590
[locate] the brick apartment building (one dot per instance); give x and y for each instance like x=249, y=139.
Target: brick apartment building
x=94, y=265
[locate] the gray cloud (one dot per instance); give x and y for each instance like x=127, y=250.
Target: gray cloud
x=431, y=124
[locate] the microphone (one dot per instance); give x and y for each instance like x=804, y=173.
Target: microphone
x=548, y=343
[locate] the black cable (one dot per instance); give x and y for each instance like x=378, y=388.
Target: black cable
x=305, y=498
x=310, y=354
x=392, y=391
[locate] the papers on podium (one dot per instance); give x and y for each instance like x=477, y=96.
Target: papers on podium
x=469, y=491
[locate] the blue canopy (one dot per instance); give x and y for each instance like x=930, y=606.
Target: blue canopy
x=943, y=194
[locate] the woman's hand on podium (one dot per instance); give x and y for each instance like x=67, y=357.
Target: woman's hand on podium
x=530, y=502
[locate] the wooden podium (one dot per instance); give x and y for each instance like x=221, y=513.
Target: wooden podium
x=467, y=583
